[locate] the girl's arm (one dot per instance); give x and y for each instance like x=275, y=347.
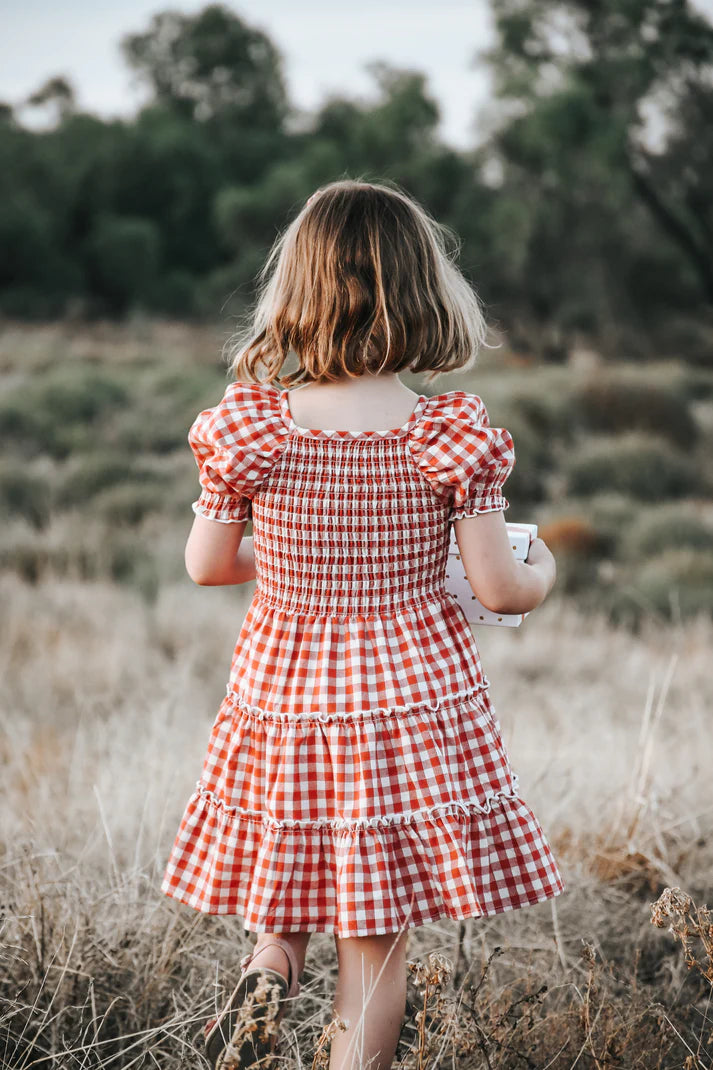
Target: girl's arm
x=501, y=582
x=214, y=556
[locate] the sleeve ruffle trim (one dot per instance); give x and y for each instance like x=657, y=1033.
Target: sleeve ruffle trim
x=225, y=508
x=489, y=503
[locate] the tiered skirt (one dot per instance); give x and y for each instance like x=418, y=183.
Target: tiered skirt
x=357, y=822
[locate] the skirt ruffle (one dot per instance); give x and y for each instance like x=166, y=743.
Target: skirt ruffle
x=358, y=824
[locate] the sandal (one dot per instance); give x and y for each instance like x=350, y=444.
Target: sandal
x=245, y=1032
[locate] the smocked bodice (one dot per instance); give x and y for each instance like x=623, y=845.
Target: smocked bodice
x=348, y=528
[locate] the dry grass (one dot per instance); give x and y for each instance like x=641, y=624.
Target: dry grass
x=107, y=702
x=38, y=347
x=107, y=694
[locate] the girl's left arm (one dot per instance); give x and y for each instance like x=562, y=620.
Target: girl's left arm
x=214, y=556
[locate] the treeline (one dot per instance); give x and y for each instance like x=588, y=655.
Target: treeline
x=585, y=207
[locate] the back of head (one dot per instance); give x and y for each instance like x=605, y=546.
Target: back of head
x=360, y=281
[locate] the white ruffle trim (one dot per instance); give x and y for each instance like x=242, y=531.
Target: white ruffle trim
x=224, y=509
x=477, y=508
x=412, y=709
x=464, y=810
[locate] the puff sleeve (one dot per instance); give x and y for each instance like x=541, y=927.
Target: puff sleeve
x=462, y=456
x=235, y=446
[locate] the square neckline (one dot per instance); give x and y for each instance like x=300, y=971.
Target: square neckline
x=317, y=432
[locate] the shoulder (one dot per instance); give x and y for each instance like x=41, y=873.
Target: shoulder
x=454, y=439
x=244, y=409
x=451, y=417
x=244, y=402
x=457, y=406
x=248, y=418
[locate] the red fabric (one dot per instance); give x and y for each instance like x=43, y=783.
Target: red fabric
x=355, y=779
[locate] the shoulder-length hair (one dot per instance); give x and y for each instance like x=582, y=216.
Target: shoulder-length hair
x=362, y=280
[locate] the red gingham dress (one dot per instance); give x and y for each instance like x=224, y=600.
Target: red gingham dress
x=355, y=780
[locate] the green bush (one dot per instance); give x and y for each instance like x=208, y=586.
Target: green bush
x=100, y=472
x=140, y=433
x=677, y=583
x=80, y=394
x=62, y=549
x=547, y=415
x=126, y=504
x=671, y=586
x=666, y=527
x=53, y=413
x=620, y=404
x=133, y=565
x=24, y=496
x=610, y=512
x=638, y=465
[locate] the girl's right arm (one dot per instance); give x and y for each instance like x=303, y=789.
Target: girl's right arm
x=501, y=582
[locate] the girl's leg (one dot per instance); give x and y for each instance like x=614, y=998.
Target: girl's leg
x=274, y=958
x=371, y=998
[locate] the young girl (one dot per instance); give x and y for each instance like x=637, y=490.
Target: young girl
x=355, y=781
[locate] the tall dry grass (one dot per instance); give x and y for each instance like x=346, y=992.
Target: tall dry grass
x=106, y=705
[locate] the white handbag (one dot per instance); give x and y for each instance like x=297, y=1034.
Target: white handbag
x=521, y=535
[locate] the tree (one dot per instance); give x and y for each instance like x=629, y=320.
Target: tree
x=123, y=256
x=211, y=66
x=59, y=94
x=606, y=114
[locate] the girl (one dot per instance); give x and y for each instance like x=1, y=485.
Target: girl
x=355, y=781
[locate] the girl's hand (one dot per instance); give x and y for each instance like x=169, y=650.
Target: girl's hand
x=540, y=557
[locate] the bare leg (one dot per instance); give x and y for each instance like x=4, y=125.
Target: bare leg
x=371, y=998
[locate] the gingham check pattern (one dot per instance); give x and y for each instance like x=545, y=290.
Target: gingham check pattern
x=355, y=779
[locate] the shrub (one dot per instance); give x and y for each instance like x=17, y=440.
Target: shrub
x=51, y=413
x=140, y=433
x=577, y=547
x=547, y=414
x=677, y=583
x=24, y=496
x=64, y=548
x=94, y=474
x=126, y=504
x=623, y=405
x=611, y=513
x=640, y=465
x=80, y=394
x=132, y=565
x=666, y=527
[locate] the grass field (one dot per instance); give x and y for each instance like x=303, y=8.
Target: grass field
x=113, y=666
x=107, y=703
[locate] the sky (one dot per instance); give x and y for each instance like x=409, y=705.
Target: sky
x=325, y=47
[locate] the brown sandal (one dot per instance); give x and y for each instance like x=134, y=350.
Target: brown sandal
x=245, y=1032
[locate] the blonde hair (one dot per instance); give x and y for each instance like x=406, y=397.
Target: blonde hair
x=361, y=281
